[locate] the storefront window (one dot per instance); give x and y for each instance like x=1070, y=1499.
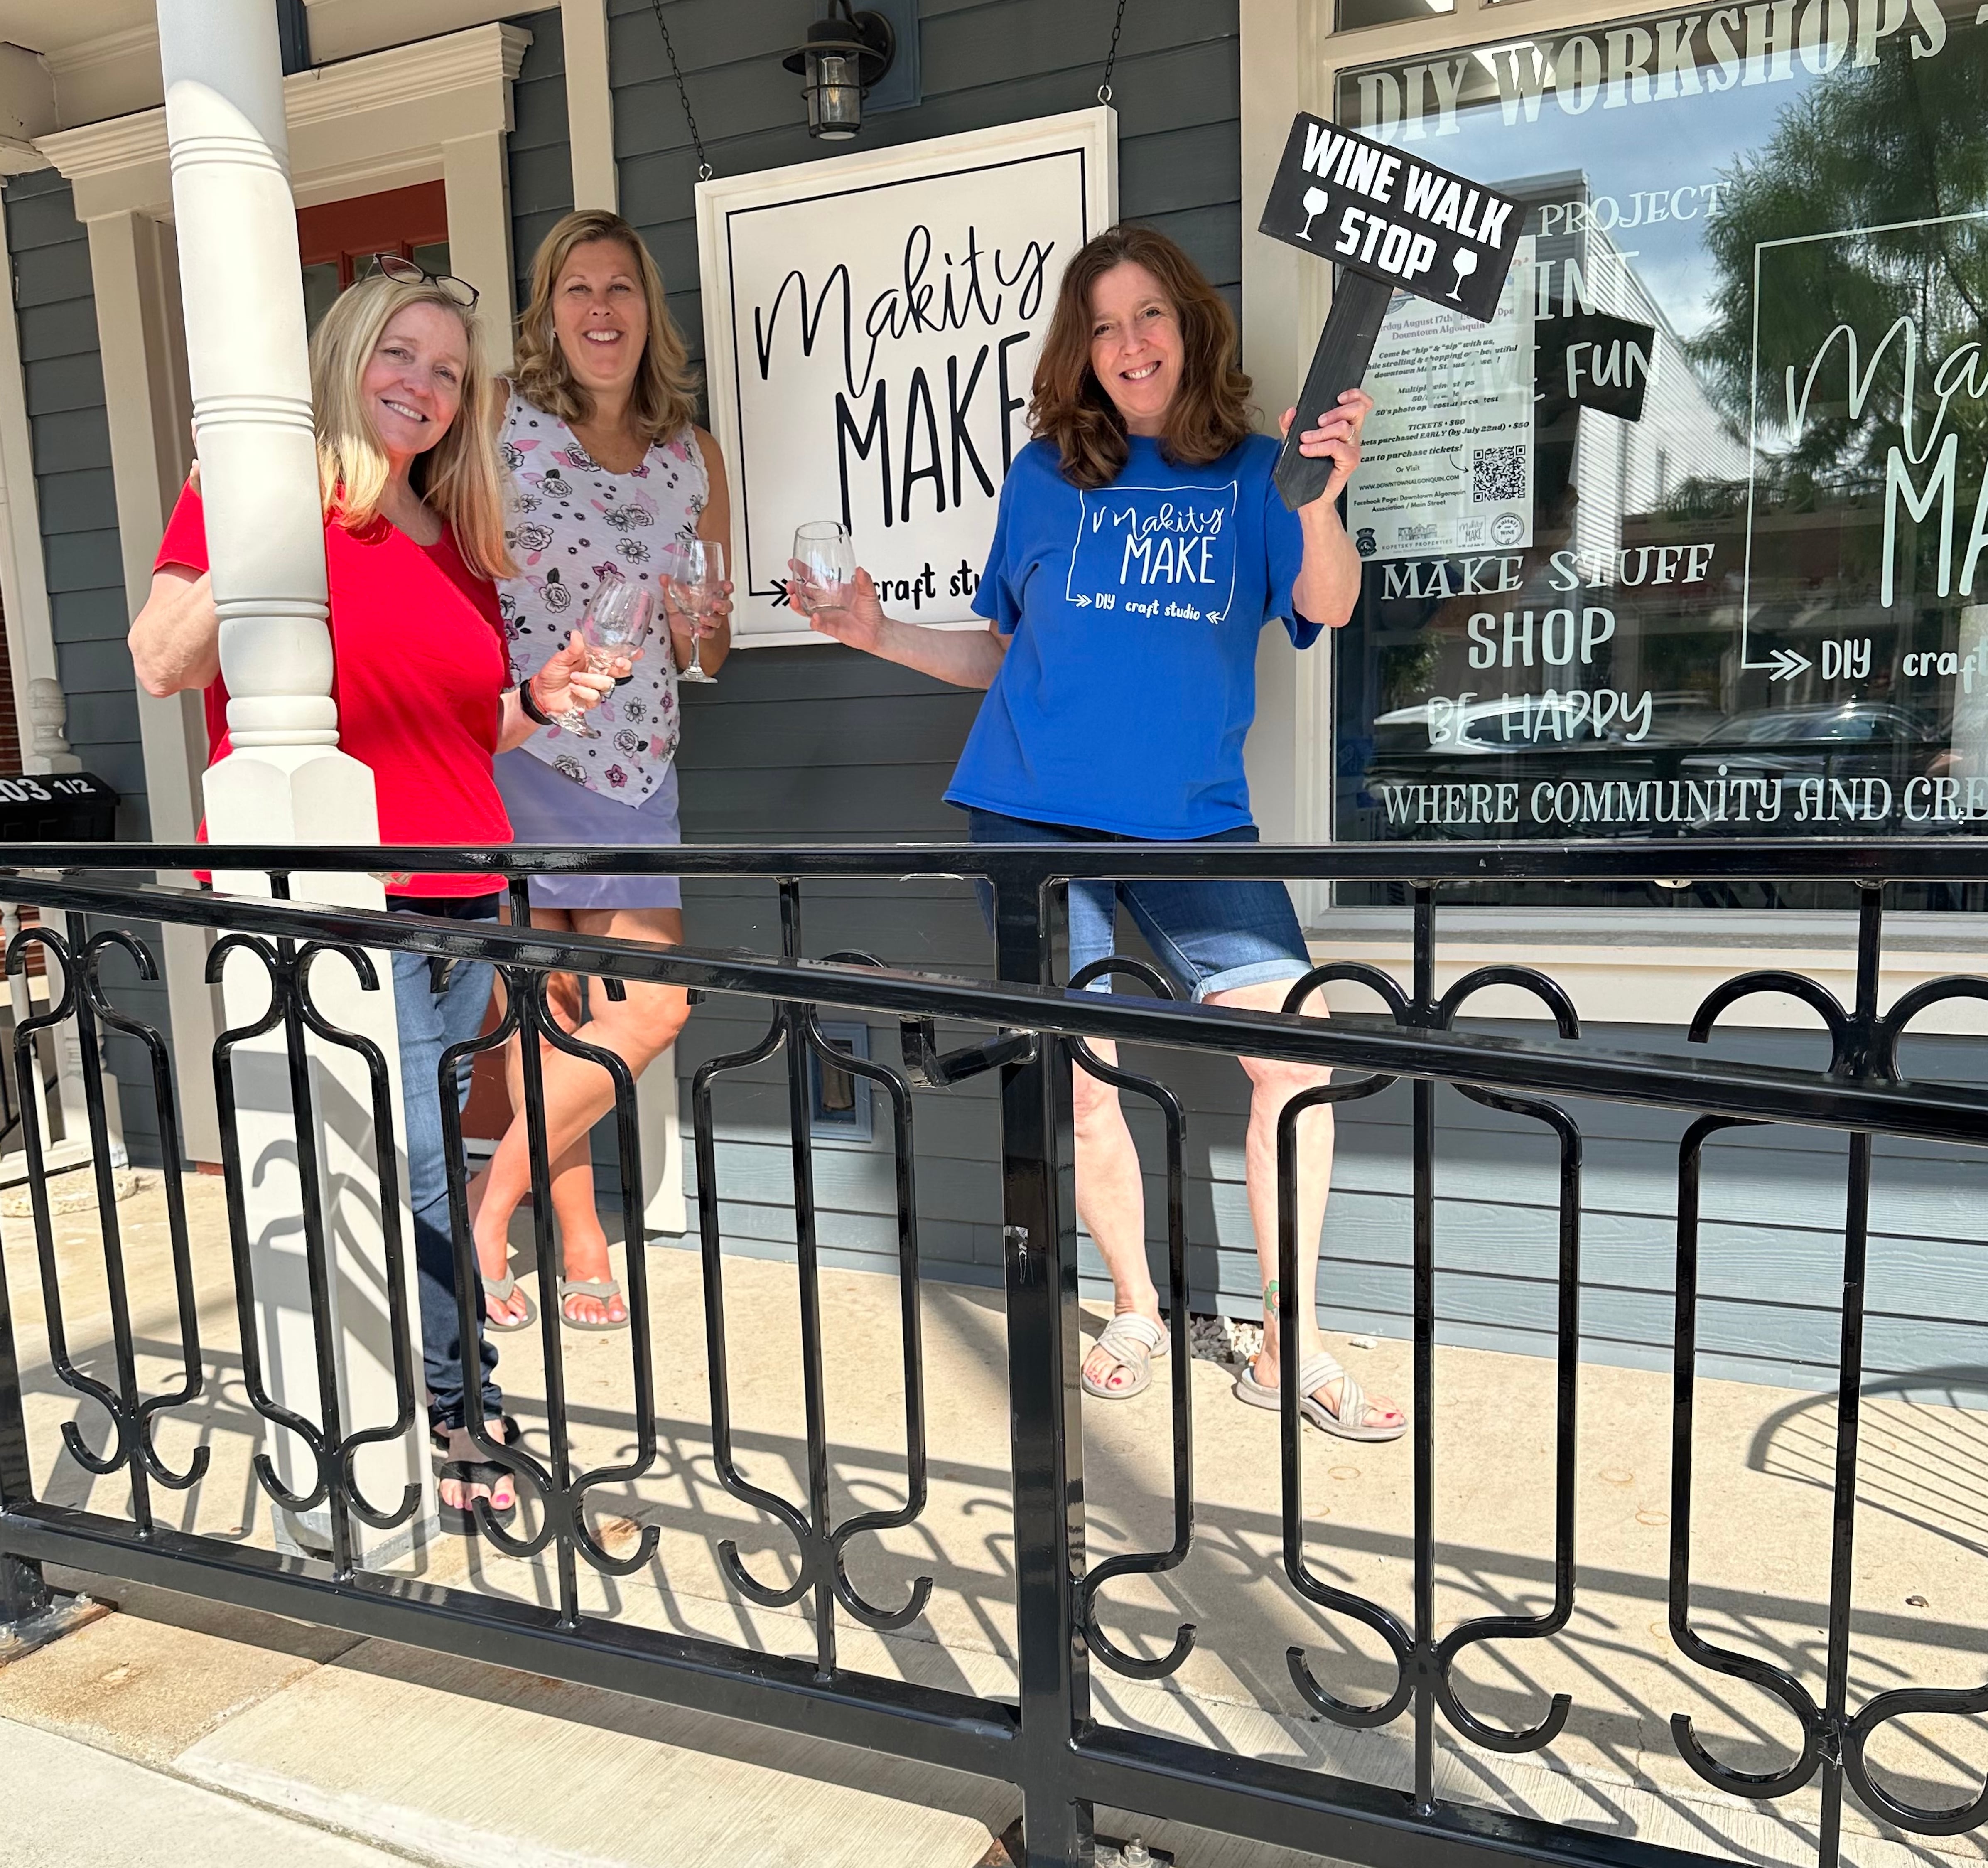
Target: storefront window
x=1693, y=540
x=1350, y=13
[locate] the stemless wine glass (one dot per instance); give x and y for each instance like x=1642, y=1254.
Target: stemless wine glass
x=696, y=575
x=823, y=565
x=616, y=625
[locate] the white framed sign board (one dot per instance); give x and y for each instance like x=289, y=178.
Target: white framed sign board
x=871, y=327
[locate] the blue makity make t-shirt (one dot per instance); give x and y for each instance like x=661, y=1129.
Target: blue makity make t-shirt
x=1131, y=680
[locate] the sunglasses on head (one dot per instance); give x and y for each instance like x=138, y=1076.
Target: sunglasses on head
x=406, y=272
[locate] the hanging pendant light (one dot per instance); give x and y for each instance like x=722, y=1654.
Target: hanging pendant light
x=843, y=54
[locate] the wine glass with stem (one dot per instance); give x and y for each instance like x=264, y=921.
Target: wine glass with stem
x=696, y=580
x=615, y=626
x=823, y=564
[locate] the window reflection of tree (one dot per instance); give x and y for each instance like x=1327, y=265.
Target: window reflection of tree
x=1893, y=146
x=1899, y=148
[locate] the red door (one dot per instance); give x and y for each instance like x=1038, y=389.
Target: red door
x=340, y=237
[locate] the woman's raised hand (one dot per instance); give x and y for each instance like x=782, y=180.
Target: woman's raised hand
x=1335, y=437
x=859, y=625
x=717, y=617
x=566, y=681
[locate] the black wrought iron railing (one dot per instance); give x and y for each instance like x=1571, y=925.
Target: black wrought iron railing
x=1048, y=1739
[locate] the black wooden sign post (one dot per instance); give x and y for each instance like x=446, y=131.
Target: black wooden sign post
x=1392, y=222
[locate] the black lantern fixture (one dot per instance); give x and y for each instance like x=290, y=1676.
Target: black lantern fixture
x=844, y=54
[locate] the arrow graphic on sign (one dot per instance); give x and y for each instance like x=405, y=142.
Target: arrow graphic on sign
x=1787, y=664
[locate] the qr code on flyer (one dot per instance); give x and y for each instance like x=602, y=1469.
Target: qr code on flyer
x=1497, y=474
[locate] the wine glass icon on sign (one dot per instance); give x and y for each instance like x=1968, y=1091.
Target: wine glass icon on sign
x=1464, y=260
x=1315, y=202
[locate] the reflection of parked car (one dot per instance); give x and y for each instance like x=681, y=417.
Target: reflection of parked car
x=1846, y=742
x=1503, y=739
x=1848, y=739
x=1508, y=728
x=1436, y=728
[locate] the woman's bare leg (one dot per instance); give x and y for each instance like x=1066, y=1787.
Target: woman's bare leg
x=1273, y=1084
x=1111, y=1202
x=577, y=1093
x=493, y=1248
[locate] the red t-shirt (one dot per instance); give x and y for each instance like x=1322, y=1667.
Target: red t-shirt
x=419, y=671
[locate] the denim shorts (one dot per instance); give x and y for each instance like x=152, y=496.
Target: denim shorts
x=1213, y=937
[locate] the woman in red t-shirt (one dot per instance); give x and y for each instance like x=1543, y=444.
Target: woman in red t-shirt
x=413, y=535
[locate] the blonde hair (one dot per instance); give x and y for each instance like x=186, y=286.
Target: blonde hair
x=664, y=401
x=457, y=478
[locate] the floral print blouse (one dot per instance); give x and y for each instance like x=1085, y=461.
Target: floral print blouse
x=570, y=526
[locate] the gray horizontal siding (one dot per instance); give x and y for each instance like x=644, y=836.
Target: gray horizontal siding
x=64, y=379
x=1769, y=1275
x=1176, y=95
x=55, y=308
x=818, y=743
x=540, y=162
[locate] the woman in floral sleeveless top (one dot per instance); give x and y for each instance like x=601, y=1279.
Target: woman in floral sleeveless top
x=606, y=467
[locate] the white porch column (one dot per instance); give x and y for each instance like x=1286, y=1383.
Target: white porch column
x=590, y=104
x=476, y=182
x=286, y=781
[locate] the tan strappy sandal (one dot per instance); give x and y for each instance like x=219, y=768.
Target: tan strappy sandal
x=1354, y=1409
x=1132, y=1341
x=603, y=1290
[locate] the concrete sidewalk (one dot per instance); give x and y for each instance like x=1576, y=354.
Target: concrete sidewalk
x=241, y=1737
x=69, y=1805
x=501, y=1767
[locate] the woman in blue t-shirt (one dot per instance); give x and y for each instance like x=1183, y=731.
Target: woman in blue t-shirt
x=1140, y=548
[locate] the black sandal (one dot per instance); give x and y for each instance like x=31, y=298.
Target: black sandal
x=460, y=1521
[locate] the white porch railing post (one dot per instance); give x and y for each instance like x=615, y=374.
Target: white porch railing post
x=286, y=781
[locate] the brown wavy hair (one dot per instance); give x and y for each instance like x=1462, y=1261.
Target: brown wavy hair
x=1210, y=411
x=664, y=401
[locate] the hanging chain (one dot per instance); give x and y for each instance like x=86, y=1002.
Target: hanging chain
x=676, y=72
x=1112, y=57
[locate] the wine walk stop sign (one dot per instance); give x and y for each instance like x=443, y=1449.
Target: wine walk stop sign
x=1394, y=217
x=1394, y=223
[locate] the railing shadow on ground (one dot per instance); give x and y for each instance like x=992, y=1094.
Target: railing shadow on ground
x=1242, y=1545
x=826, y=1563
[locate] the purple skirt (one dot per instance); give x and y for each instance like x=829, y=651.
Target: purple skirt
x=547, y=807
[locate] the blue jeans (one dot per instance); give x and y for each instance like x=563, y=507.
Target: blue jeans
x=1213, y=937
x=429, y=1023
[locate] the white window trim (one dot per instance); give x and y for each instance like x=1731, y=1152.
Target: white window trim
x=590, y=104
x=345, y=29
x=1658, y=963
x=439, y=110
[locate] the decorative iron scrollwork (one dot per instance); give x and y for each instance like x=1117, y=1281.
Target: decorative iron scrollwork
x=133, y=1415
x=1181, y=1348
x=332, y=1447
x=821, y=1544
x=560, y=1493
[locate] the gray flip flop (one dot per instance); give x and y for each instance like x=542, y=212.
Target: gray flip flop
x=1349, y=1423
x=1132, y=1341
x=500, y=1289
x=600, y=1289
